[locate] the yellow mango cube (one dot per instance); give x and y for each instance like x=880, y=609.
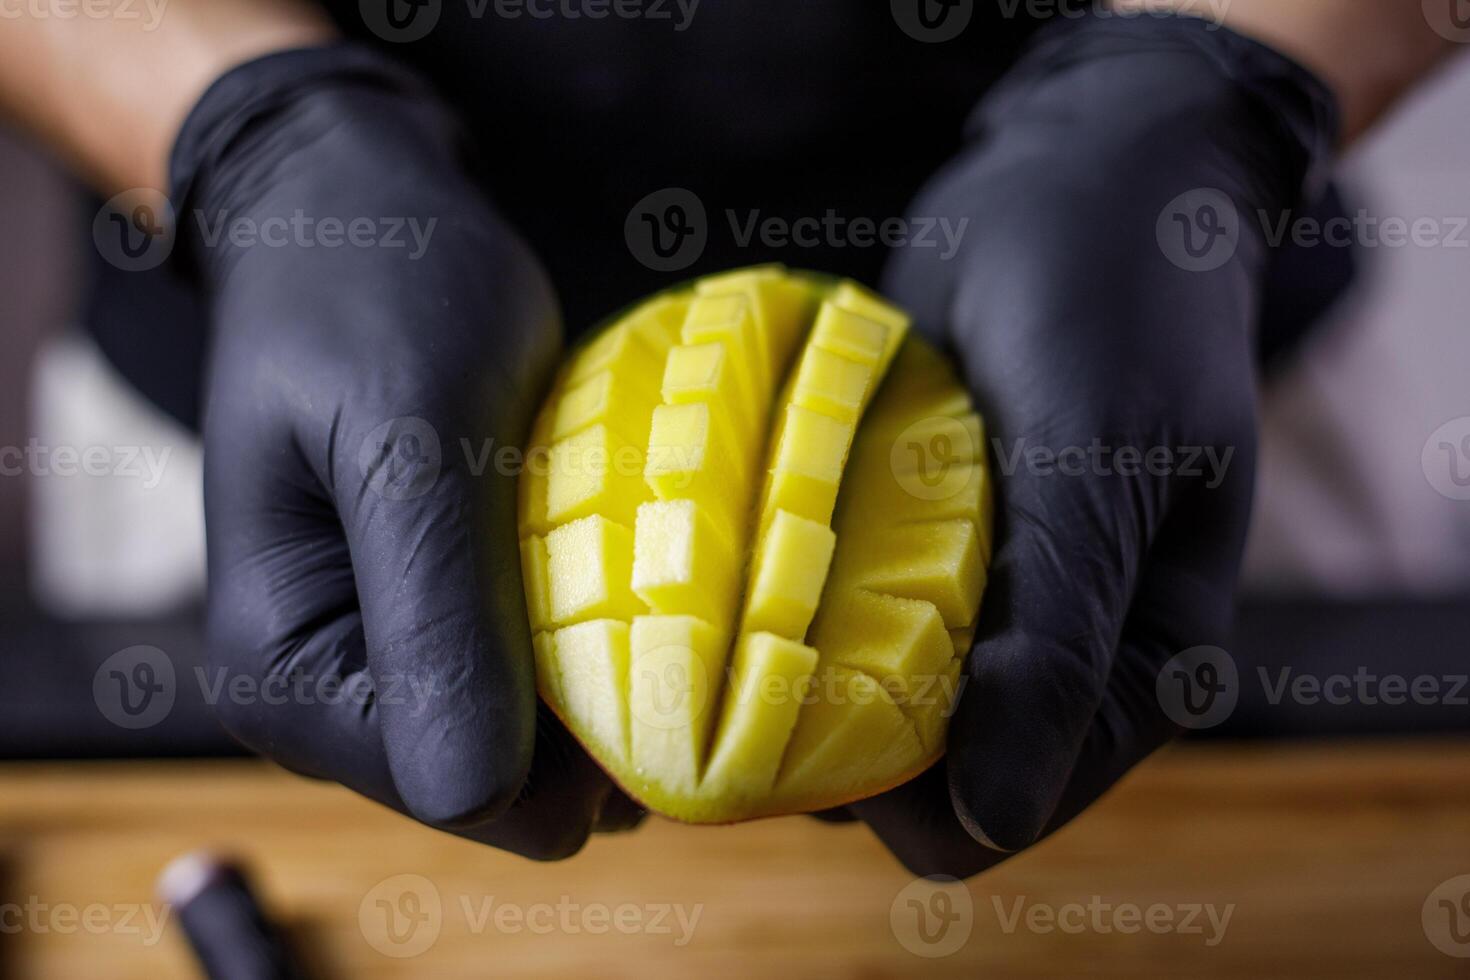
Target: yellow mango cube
x=925, y=446
x=620, y=351
x=605, y=398
x=590, y=568
x=787, y=576
x=682, y=562
x=536, y=475
x=592, y=663
x=850, y=335
x=728, y=320
x=938, y=562
x=955, y=491
x=703, y=373
x=595, y=472
x=831, y=384
x=768, y=686
x=658, y=321
x=901, y=643
x=548, y=674
x=536, y=577
x=781, y=307
x=690, y=455
x=851, y=729
x=677, y=664
x=807, y=465
x=851, y=296
x=930, y=710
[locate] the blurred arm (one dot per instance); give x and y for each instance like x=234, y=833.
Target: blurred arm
x=108, y=94
x=1369, y=52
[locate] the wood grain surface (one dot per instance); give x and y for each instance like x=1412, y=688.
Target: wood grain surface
x=1324, y=857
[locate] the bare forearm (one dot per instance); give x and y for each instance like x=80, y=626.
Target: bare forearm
x=1370, y=52
x=108, y=93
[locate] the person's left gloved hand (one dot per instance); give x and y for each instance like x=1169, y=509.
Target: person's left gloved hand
x=1105, y=295
x=379, y=337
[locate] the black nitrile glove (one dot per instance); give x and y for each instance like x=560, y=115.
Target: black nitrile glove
x=1090, y=305
x=378, y=336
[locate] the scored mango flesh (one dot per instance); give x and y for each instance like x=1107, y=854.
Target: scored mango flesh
x=755, y=523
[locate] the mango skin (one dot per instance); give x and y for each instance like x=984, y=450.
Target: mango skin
x=755, y=525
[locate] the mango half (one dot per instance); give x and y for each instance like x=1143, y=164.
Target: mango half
x=755, y=521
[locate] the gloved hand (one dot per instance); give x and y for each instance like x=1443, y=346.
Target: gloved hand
x=1090, y=305
x=378, y=337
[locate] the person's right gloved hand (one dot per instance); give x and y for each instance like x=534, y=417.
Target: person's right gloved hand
x=378, y=337
x=1102, y=308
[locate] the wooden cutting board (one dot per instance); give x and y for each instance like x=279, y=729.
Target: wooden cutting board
x=1324, y=856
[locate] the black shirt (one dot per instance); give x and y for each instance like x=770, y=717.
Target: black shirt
x=823, y=110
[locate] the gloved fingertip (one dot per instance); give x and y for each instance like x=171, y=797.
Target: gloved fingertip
x=1004, y=821
x=618, y=814
x=449, y=798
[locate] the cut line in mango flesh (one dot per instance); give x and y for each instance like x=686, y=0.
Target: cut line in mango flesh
x=755, y=546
